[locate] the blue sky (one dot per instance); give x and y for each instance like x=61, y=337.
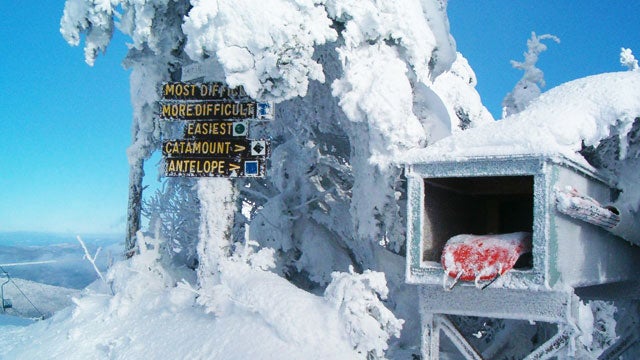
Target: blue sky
x=490, y=33
x=65, y=126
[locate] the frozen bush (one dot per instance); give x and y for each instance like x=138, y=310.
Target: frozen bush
x=369, y=323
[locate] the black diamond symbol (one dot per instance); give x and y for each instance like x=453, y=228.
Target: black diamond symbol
x=258, y=148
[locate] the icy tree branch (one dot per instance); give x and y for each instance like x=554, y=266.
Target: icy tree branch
x=91, y=259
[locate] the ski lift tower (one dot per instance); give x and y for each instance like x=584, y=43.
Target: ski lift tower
x=572, y=253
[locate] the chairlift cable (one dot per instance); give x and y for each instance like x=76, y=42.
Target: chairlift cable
x=21, y=292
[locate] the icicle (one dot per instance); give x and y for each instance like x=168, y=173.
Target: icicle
x=498, y=274
x=455, y=281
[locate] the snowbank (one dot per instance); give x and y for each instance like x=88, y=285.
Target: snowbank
x=149, y=321
x=586, y=110
x=144, y=313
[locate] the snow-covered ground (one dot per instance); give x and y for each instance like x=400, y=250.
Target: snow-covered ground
x=144, y=310
x=269, y=319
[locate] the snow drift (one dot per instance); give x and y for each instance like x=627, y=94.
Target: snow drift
x=259, y=315
x=562, y=120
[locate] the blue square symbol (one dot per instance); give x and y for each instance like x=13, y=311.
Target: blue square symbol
x=251, y=168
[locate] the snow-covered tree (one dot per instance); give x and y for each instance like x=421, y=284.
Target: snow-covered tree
x=528, y=87
x=154, y=56
x=173, y=211
x=357, y=83
x=370, y=323
x=460, y=99
x=627, y=59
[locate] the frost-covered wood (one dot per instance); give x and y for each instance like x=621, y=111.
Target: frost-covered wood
x=217, y=208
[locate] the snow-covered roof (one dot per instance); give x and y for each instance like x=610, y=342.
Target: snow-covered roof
x=586, y=110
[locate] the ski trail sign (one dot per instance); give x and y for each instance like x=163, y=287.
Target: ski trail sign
x=220, y=128
x=208, y=110
x=233, y=148
x=214, y=142
x=208, y=101
x=214, y=167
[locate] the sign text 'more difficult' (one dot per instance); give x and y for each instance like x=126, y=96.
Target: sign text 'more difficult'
x=208, y=110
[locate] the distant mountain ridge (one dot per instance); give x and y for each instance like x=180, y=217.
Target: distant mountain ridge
x=61, y=257
x=34, y=238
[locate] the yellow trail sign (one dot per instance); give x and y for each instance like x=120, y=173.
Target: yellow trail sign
x=201, y=91
x=214, y=167
x=207, y=110
x=215, y=148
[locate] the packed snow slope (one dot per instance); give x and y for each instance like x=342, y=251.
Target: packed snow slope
x=149, y=321
x=142, y=311
x=584, y=111
x=33, y=300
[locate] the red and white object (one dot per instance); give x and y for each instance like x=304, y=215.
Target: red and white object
x=483, y=257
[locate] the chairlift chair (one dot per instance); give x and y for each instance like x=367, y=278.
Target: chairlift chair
x=6, y=303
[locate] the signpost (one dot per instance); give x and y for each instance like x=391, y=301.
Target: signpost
x=201, y=91
x=223, y=128
x=213, y=110
x=233, y=148
x=214, y=140
x=214, y=167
